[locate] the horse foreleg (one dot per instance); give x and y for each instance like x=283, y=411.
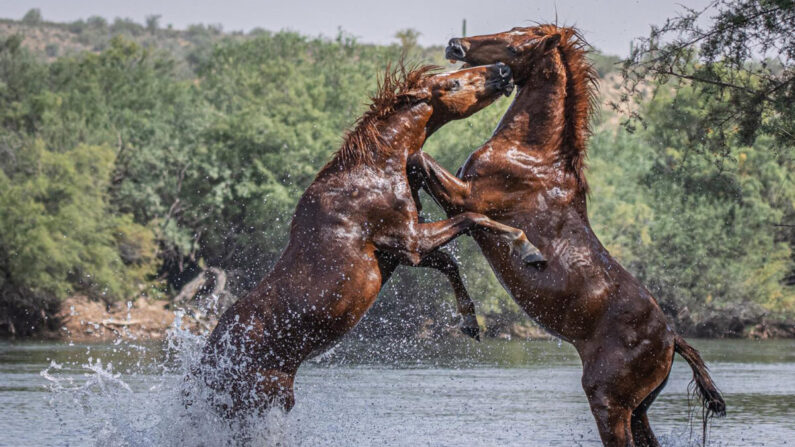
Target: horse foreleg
x=445, y=263
x=414, y=242
x=434, y=235
x=447, y=190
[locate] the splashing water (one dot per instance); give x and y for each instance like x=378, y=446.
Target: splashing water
x=153, y=409
x=410, y=393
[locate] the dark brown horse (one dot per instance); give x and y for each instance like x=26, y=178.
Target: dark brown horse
x=530, y=175
x=354, y=224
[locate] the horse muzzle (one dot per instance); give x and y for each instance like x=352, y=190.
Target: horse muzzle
x=455, y=50
x=504, y=78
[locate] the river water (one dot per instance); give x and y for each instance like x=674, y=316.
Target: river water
x=419, y=393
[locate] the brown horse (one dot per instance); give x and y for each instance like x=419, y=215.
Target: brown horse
x=352, y=227
x=530, y=175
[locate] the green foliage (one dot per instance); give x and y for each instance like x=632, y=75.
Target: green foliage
x=60, y=235
x=726, y=240
x=604, y=63
x=721, y=134
x=408, y=38
x=700, y=236
x=32, y=17
x=740, y=63
x=153, y=22
x=130, y=161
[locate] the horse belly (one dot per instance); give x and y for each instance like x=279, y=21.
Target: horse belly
x=542, y=294
x=355, y=296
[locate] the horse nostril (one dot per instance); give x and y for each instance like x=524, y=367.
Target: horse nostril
x=503, y=70
x=454, y=49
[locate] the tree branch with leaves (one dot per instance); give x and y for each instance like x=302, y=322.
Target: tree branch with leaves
x=738, y=56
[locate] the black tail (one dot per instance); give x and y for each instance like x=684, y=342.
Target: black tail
x=714, y=405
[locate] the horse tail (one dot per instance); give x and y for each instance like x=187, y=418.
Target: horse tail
x=711, y=399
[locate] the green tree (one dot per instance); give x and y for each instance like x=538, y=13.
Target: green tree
x=703, y=239
x=60, y=236
x=740, y=64
x=732, y=83
x=32, y=17
x=153, y=22
x=407, y=38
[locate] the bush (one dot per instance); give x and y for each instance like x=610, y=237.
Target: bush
x=32, y=17
x=130, y=161
x=61, y=235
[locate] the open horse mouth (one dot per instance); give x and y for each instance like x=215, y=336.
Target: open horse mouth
x=455, y=50
x=504, y=80
x=505, y=87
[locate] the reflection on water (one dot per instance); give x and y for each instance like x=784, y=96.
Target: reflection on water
x=411, y=393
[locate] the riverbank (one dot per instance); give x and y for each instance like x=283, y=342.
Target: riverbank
x=83, y=320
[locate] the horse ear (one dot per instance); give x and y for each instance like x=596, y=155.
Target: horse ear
x=546, y=44
x=549, y=43
x=416, y=94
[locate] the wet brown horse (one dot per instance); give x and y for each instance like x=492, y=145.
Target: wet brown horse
x=352, y=227
x=530, y=175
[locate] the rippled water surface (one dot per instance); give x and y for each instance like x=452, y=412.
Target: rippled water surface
x=450, y=393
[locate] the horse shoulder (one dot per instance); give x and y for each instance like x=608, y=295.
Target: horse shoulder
x=482, y=162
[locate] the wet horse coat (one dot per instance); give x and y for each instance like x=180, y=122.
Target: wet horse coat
x=530, y=175
x=351, y=228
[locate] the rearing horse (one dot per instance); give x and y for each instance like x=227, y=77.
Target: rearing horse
x=530, y=175
x=351, y=228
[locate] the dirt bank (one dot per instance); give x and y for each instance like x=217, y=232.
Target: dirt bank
x=83, y=320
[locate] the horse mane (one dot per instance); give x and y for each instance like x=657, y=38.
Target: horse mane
x=364, y=142
x=581, y=97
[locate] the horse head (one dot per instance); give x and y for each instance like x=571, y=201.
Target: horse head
x=459, y=94
x=521, y=48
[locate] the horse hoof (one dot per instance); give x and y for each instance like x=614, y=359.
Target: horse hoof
x=469, y=326
x=528, y=252
x=472, y=332
x=535, y=259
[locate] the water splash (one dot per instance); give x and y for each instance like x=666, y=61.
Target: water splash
x=409, y=393
x=148, y=406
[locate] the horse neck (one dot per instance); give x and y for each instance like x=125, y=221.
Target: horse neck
x=403, y=132
x=535, y=124
x=535, y=121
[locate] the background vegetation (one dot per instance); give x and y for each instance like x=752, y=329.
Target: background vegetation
x=133, y=156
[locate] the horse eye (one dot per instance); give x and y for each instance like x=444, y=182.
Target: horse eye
x=513, y=50
x=456, y=85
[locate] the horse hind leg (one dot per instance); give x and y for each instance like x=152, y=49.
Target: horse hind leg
x=620, y=420
x=641, y=430
x=272, y=389
x=279, y=389
x=613, y=421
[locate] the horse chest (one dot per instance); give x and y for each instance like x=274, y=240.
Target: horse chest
x=397, y=203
